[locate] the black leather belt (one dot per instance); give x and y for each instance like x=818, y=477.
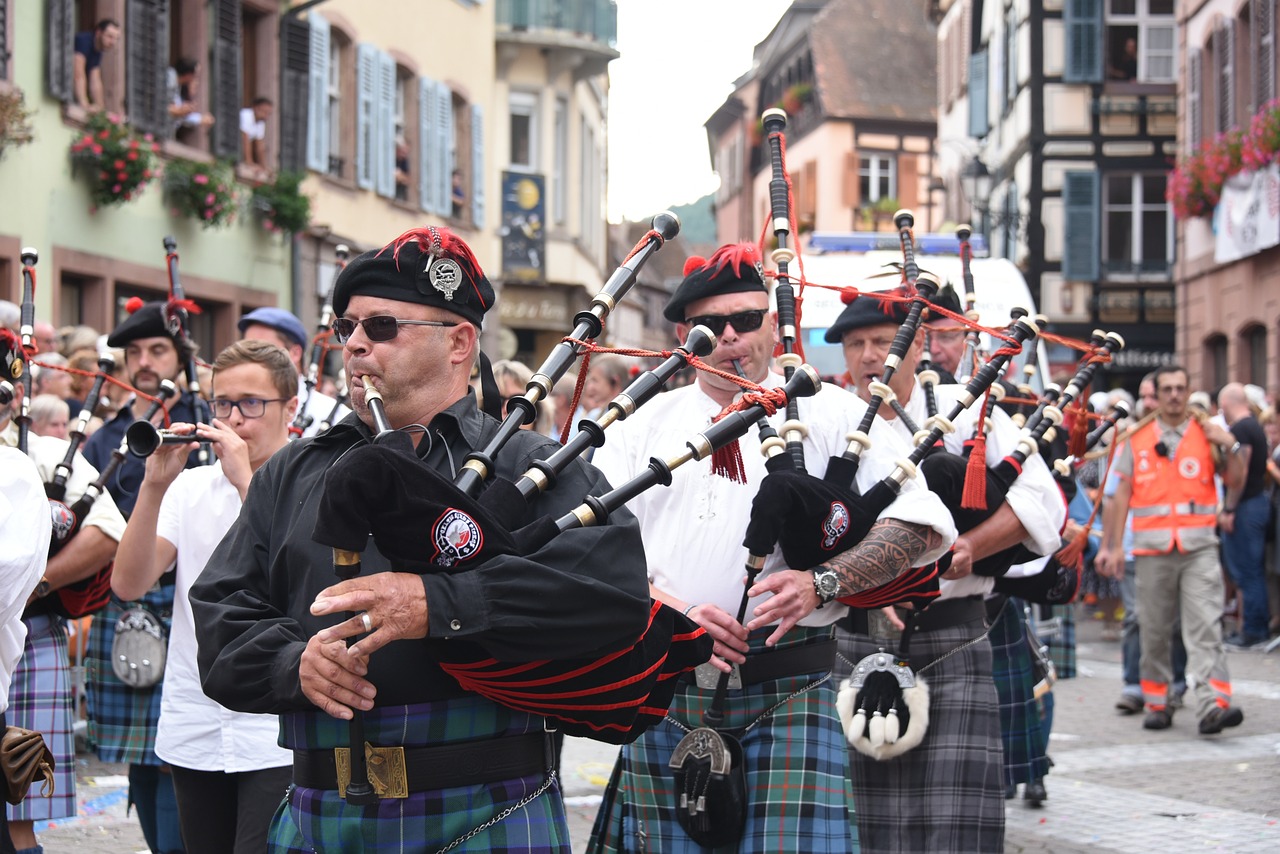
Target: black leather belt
x=445, y=766
x=941, y=614
x=779, y=664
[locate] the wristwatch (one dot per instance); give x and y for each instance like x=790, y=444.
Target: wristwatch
x=1234, y=449
x=42, y=590
x=826, y=584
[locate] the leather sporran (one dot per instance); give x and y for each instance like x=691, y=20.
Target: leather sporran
x=711, y=787
x=25, y=758
x=139, y=649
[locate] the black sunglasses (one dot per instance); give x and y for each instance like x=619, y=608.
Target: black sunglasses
x=380, y=327
x=743, y=321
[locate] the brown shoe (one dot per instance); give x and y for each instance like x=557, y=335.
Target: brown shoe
x=1129, y=704
x=1159, y=719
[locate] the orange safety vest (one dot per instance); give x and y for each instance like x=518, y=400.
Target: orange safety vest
x=1174, y=496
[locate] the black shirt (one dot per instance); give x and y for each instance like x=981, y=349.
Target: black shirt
x=1250, y=435
x=585, y=593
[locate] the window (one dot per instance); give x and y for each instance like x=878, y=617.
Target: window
x=71, y=299
x=1141, y=41
x=1263, y=16
x=877, y=178
x=1009, y=88
x=523, y=108
x=1224, y=95
x=401, y=121
x=1215, y=361
x=560, y=169
x=1254, y=344
x=333, y=107
x=1137, y=228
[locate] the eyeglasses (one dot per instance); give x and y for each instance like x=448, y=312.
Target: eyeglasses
x=380, y=327
x=250, y=407
x=743, y=321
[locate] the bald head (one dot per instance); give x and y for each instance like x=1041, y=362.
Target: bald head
x=1233, y=402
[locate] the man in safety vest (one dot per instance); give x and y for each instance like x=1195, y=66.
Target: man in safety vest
x=1166, y=479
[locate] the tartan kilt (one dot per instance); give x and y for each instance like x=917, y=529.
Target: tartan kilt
x=946, y=794
x=795, y=762
x=1021, y=728
x=122, y=720
x=317, y=820
x=1062, y=646
x=40, y=699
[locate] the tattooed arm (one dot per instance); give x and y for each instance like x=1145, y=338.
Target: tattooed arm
x=890, y=547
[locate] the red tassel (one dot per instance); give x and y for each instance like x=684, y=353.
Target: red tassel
x=975, y=473
x=727, y=462
x=1079, y=436
x=1072, y=554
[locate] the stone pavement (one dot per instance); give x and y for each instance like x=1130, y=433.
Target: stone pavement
x=1115, y=787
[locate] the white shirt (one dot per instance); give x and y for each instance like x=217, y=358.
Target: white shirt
x=195, y=732
x=693, y=529
x=24, y=531
x=318, y=406
x=1034, y=497
x=251, y=126
x=47, y=452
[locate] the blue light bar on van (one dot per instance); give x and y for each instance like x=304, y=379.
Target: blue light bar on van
x=869, y=241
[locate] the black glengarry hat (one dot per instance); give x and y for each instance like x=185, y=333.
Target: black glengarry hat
x=734, y=268
x=867, y=309
x=145, y=320
x=428, y=266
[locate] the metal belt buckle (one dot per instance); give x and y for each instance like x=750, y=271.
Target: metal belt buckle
x=386, y=769
x=706, y=676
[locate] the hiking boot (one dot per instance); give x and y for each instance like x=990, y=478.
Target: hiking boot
x=1219, y=719
x=1159, y=719
x=1129, y=704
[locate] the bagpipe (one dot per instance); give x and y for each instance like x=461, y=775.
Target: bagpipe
x=319, y=348
x=178, y=320
x=26, y=333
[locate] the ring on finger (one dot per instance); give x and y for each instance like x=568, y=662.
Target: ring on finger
x=368, y=623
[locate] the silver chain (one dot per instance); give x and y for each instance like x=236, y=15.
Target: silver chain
x=814, y=684
x=961, y=648
x=521, y=804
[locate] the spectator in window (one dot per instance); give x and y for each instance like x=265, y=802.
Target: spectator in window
x=459, y=194
x=1125, y=66
x=184, y=86
x=253, y=135
x=402, y=169
x=87, y=62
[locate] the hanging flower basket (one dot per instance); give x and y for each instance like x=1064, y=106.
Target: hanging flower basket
x=15, y=120
x=117, y=162
x=203, y=191
x=281, y=206
x=1195, y=186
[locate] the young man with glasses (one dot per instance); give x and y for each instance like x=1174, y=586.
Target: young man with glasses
x=122, y=719
x=1167, y=479
x=794, y=749
x=228, y=772
x=272, y=621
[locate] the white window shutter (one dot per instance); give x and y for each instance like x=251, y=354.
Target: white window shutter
x=477, y=166
x=318, y=114
x=444, y=137
x=384, y=164
x=366, y=128
x=428, y=157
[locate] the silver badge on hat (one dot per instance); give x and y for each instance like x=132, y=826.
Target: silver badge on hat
x=444, y=274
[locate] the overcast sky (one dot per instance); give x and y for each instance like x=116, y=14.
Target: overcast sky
x=679, y=60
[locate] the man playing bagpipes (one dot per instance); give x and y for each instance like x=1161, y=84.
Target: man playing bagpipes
x=123, y=718
x=41, y=696
x=271, y=620
x=780, y=707
x=946, y=794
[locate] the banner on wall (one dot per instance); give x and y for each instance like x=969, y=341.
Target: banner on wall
x=1247, y=218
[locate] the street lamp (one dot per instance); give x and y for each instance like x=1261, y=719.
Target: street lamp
x=976, y=181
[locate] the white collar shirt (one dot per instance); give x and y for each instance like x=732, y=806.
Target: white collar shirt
x=24, y=531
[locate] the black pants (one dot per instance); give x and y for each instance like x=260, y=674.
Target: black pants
x=223, y=813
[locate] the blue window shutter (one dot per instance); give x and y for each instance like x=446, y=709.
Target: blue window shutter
x=62, y=33
x=978, y=125
x=384, y=164
x=1080, y=195
x=366, y=126
x=477, y=166
x=444, y=143
x=428, y=157
x=318, y=114
x=1082, y=20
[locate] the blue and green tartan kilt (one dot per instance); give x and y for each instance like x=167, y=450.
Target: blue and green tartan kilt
x=797, y=771
x=122, y=720
x=1062, y=646
x=40, y=699
x=317, y=820
x=1020, y=726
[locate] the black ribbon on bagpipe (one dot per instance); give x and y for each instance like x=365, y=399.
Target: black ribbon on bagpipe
x=301, y=420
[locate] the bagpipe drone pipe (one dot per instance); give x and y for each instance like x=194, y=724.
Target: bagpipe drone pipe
x=319, y=348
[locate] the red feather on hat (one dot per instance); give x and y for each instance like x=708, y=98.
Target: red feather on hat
x=736, y=254
x=889, y=306
x=451, y=245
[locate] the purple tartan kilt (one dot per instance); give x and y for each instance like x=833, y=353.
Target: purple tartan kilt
x=317, y=820
x=40, y=699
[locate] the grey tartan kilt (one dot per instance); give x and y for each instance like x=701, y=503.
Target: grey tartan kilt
x=947, y=794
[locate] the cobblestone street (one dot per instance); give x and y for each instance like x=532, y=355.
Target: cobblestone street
x=1114, y=788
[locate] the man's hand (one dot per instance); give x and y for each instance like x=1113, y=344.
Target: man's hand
x=1227, y=522
x=793, y=598
x=168, y=461
x=961, y=560
x=1218, y=434
x=396, y=603
x=728, y=635
x=1109, y=563
x=232, y=452
x=332, y=678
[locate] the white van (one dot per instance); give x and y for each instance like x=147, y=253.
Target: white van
x=845, y=259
